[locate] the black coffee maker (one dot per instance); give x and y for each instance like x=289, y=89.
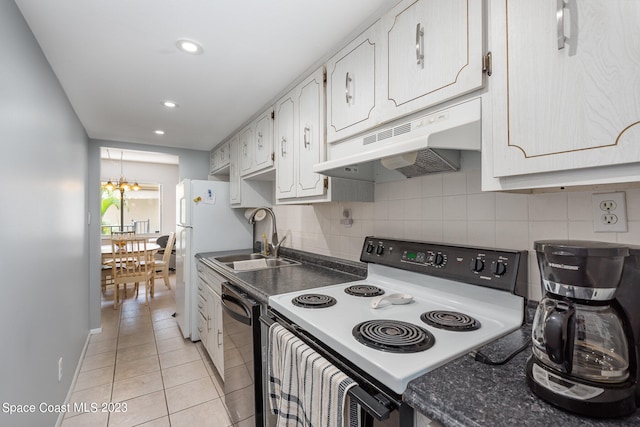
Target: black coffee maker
x=586, y=330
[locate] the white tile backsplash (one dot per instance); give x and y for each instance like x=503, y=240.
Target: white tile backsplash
x=450, y=208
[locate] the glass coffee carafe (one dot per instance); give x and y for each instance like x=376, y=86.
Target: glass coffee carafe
x=583, y=341
x=584, y=358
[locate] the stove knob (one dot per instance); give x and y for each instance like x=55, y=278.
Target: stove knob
x=438, y=259
x=380, y=249
x=476, y=265
x=370, y=247
x=499, y=268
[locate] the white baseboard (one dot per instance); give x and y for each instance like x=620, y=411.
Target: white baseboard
x=76, y=373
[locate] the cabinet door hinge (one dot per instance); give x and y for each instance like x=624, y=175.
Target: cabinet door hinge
x=273, y=115
x=486, y=64
x=324, y=77
x=326, y=182
x=273, y=156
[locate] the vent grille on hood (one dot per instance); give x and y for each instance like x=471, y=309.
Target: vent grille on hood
x=426, y=161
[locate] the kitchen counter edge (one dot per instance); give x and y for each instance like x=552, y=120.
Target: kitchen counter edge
x=313, y=271
x=468, y=393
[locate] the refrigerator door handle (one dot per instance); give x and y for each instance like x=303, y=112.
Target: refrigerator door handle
x=184, y=226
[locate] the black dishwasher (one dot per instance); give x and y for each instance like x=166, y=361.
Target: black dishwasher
x=242, y=355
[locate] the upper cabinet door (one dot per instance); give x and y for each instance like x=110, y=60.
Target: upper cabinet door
x=569, y=95
x=435, y=52
x=234, y=172
x=311, y=136
x=351, y=86
x=246, y=150
x=284, y=134
x=264, y=140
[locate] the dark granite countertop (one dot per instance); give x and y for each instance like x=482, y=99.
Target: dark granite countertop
x=468, y=393
x=314, y=271
x=464, y=392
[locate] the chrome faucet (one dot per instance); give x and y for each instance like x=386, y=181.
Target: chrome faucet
x=274, y=230
x=276, y=248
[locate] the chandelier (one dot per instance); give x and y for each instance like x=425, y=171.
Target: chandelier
x=122, y=184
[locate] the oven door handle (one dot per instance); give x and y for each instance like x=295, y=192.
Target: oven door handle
x=228, y=299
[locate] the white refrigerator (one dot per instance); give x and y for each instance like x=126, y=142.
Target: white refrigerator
x=206, y=223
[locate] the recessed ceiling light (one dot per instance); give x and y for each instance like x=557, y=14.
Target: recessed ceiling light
x=189, y=46
x=158, y=132
x=170, y=104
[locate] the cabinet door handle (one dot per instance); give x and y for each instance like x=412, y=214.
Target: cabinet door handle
x=208, y=326
x=244, y=149
x=420, y=45
x=307, y=136
x=219, y=335
x=283, y=146
x=260, y=140
x=347, y=94
x=560, y=6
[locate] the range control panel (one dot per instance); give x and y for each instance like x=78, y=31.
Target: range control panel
x=495, y=268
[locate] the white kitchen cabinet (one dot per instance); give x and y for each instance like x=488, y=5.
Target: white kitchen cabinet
x=263, y=150
x=564, y=94
x=246, y=146
x=256, y=145
x=284, y=136
x=244, y=193
x=351, y=86
x=300, y=137
x=310, y=135
x=299, y=134
x=214, y=160
x=219, y=160
x=210, y=319
x=215, y=339
x=235, y=197
x=434, y=53
x=223, y=155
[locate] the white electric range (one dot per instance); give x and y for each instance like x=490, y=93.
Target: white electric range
x=433, y=303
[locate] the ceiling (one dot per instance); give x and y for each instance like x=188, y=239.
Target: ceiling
x=117, y=60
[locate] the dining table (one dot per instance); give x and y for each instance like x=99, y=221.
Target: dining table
x=106, y=251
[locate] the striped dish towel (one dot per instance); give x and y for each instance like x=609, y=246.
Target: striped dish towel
x=305, y=390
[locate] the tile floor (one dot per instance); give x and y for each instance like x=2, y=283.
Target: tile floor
x=140, y=359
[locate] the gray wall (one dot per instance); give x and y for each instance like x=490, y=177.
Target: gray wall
x=193, y=164
x=44, y=313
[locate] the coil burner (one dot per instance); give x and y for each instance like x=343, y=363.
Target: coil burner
x=393, y=336
x=313, y=301
x=364, y=291
x=450, y=320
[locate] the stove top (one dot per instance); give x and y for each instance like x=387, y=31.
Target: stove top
x=409, y=346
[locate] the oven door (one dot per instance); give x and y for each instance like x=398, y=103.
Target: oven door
x=379, y=407
x=242, y=358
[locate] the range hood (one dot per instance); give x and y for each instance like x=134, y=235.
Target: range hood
x=413, y=147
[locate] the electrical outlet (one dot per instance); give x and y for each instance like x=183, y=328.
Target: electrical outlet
x=60, y=369
x=609, y=212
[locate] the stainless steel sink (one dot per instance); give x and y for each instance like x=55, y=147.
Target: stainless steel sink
x=247, y=262
x=280, y=262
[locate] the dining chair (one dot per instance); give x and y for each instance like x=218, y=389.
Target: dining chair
x=107, y=276
x=162, y=266
x=132, y=263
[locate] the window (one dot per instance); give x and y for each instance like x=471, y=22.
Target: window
x=141, y=213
